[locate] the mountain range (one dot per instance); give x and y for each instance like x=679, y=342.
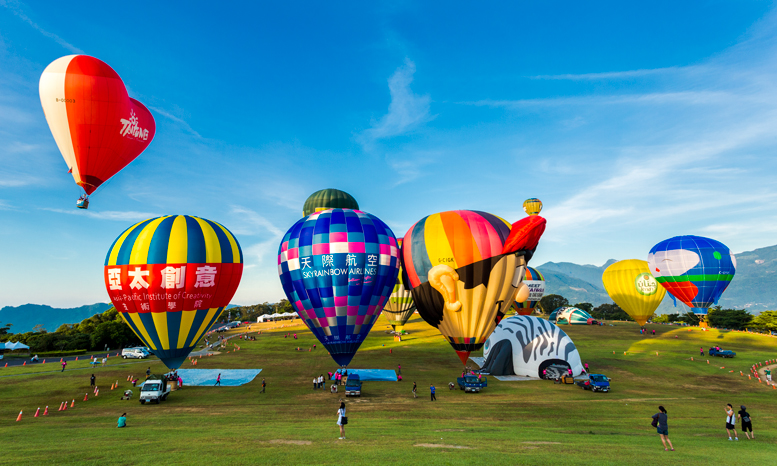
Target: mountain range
x=754, y=286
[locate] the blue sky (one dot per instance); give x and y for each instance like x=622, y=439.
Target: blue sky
x=633, y=123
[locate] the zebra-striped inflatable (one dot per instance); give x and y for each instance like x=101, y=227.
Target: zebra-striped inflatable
x=531, y=344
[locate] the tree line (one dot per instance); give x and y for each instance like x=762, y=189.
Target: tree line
x=733, y=319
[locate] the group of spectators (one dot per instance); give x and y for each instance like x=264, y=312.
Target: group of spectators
x=660, y=422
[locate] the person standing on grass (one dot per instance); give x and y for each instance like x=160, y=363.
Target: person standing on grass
x=342, y=420
x=91, y=381
x=315, y=383
x=661, y=420
x=218, y=380
x=399, y=369
x=264, y=385
x=701, y=351
x=415, y=388
x=122, y=420
x=747, y=423
x=64, y=363
x=731, y=422
x=431, y=387
x=148, y=372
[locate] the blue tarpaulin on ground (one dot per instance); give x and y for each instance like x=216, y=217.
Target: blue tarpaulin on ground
x=383, y=375
x=207, y=377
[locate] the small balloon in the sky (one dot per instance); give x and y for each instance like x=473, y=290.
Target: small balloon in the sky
x=532, y=206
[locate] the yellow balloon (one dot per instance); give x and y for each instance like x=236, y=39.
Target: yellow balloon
x=632, y=287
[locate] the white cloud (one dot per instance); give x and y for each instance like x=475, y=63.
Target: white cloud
x=17, y=9
x=406, y=111
x=609, y=75
x=106, y=215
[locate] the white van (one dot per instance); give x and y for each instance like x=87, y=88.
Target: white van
x=134, y=353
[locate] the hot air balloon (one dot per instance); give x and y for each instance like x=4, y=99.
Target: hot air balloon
x=631, y=285
x=693, y=269
x=170, y=278
x=400, y=304
x=328, y=199
x=532, y=206
x=338, y=268
x=465, y=267
x=98, y=128
x=536, y=283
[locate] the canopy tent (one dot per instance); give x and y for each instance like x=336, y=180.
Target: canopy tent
x=276, y=316
x=571, y=316
x=13, y=346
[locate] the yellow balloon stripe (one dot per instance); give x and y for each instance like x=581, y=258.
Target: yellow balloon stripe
x=139, y=325
x=160, y=323
x=117, y=247
x=212, y=246
x=232, y=243
x=139, y=254
x=205, y=323
x=437, y=246
x=178, y=244
x=187, y=318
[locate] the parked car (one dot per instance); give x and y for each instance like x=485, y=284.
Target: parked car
x=595, y=383
x=134, y=353
x=155, y=390
x=722, y=353
x=472, y=383
x=353, y=385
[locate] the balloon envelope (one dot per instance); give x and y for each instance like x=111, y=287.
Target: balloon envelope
x=536, y=283
x=532, y=206
x=170, y=278
x=400, y=305
x=338, y=268
x=631, y=285
x=328, y=199
x=694, y=269
x=98, y=128
x=465, y=252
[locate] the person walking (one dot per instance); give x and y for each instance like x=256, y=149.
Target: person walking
x=91, y=380
x=768, y=373
x=264, y=385
x=399, y=369
x=180, y=382
x=730, y=422
x=321, y=381
x=64, y=363
x=122, y=420
x=586, y=368
x=315, y=383
x=654, y=332
x=342, y=419
x=701, y=351
x=431, y=387
x=148, y=373
x=218, y=380
x=415, y=389
x=747, y=423
x=660, y=421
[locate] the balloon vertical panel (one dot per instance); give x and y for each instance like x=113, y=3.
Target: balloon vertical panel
x=338, y=268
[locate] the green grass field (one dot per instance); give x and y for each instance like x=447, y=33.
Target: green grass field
x=509, y=423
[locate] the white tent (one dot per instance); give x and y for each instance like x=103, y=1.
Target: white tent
x=14, y=346
x=277, y=316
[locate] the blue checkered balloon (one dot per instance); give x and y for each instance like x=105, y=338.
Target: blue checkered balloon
x=338, y=268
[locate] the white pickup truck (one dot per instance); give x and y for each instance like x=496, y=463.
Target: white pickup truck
x=153, y=390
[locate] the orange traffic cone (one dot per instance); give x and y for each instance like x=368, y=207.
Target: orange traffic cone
x=748, y=377
x=37, y=411
x=44, y=362
x=64, y=406
x=691, y=358
x=97, y=393
x=60, y=407
x=76, y=358
x=46, y=411
x=128, y=378
x=24, y=363
x=73, y=403
x=390, y=350
x=20, y=417
x=86, y=396
x=708, y=361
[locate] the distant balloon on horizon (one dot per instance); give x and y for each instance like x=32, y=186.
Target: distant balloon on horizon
x=329, y=198
x=532, y=206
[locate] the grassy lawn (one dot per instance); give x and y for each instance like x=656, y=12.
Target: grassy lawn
x=509, y=423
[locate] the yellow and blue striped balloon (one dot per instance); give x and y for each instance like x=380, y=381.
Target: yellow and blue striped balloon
x=170, y=278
